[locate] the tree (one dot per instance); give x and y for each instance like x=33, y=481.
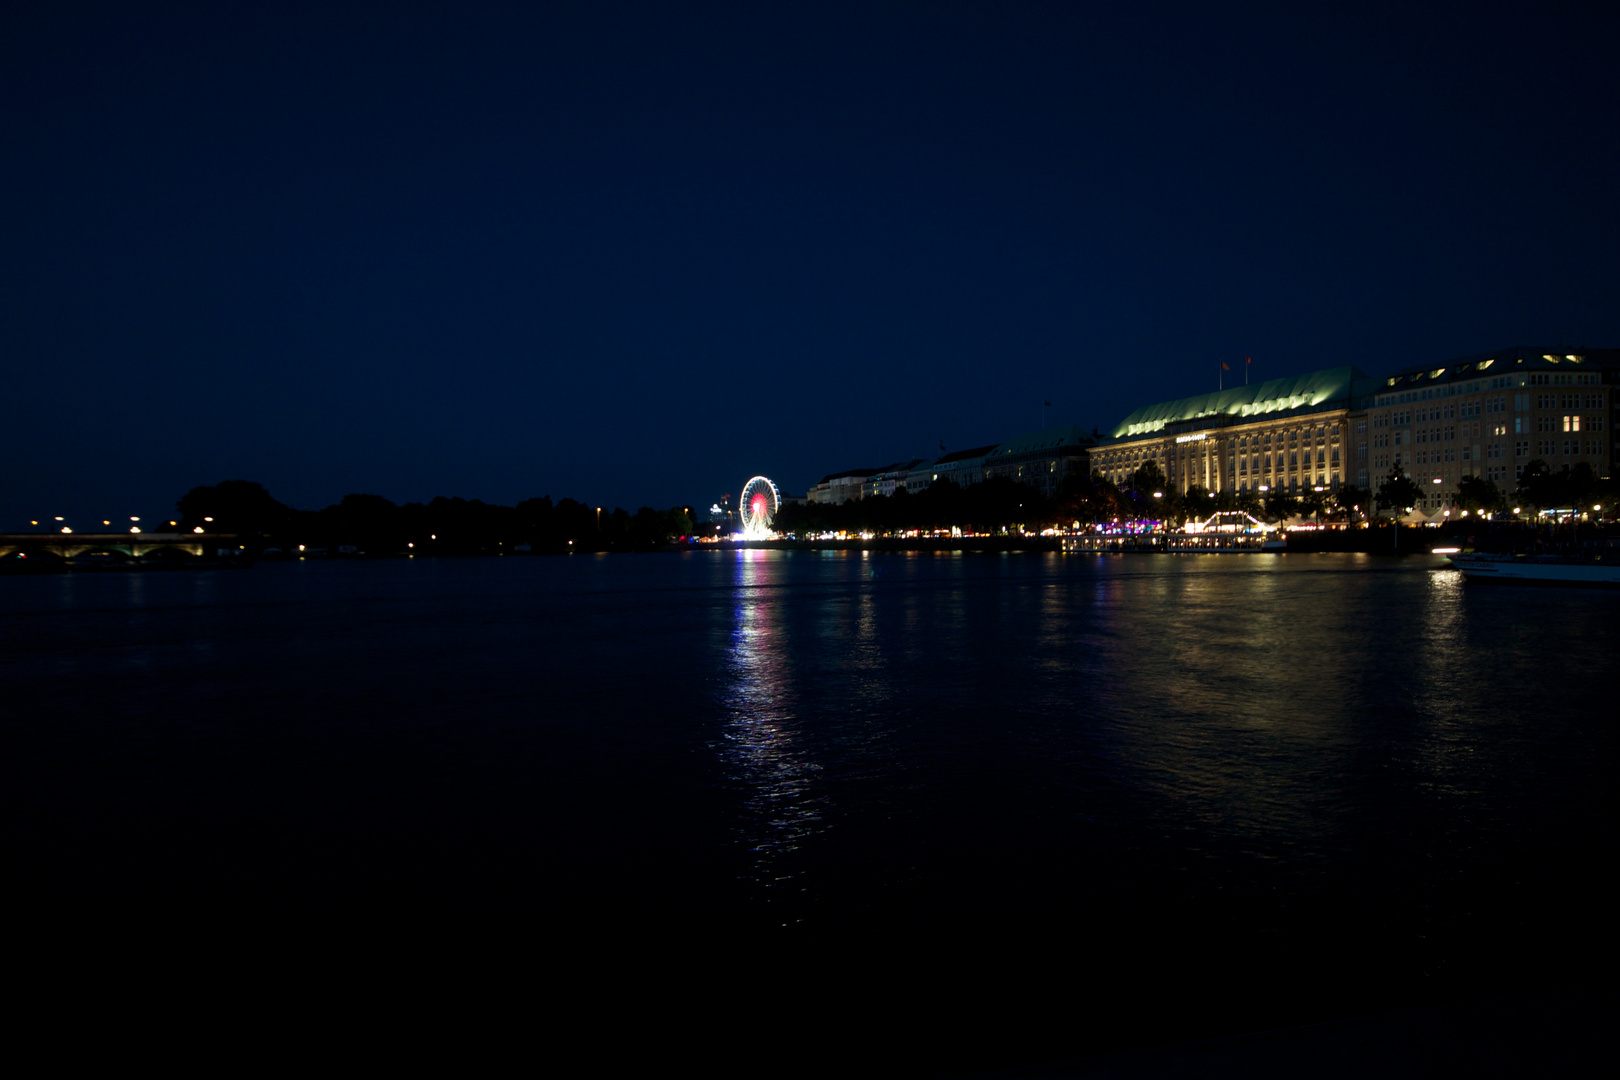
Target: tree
x=1539, y=486
x=232, y=506
x=1280, y=506
x=1479, y=495
x=1147, y=479
x=1581, y=482
x=1398, y=492
x=678, y=521
x=369, y=522
x=1199, y=502
x=1353, y=500
x=1313, y=502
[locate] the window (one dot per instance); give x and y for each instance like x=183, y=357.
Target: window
x=1521, y=448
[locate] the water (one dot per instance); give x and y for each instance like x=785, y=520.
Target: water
x=1039, y=805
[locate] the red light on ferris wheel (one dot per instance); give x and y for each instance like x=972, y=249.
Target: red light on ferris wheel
x=758, y=506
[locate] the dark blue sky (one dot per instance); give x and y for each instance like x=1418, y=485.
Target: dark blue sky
x=634, y=254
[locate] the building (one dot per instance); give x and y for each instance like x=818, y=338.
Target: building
x=890, y=478
x=1489, y=416
x=1280, y=435
x=961, y=467
x=1042, y=459
x=836, y=489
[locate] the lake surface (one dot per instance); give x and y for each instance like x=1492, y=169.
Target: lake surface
x=1038, y=805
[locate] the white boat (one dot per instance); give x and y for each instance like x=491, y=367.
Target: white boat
x=1538, y=569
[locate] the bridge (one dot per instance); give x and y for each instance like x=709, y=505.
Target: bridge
x=66, y=546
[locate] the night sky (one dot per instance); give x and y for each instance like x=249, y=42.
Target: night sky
x=634, y=254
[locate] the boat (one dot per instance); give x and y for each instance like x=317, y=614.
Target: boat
x=1589, y=572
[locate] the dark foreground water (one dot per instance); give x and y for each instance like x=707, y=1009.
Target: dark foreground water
x=807, y=809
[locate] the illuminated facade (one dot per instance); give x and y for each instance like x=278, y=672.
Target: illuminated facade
x=1489, y=416
x=1281, y=435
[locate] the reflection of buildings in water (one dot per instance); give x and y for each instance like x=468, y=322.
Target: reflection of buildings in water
x=1210, y=710
x=1451, y=679
x=761, y=734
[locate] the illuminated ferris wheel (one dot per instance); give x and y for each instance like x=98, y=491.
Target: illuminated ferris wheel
x=759, y=504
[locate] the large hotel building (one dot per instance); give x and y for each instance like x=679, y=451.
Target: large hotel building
x=1483, y=416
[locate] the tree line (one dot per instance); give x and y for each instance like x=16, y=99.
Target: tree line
x=1542, y=487
x=1087, y=500
x=373, y=525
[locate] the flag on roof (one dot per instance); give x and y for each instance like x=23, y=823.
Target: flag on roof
x=1224, y=367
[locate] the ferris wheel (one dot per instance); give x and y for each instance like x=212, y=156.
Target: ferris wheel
x=758, y=506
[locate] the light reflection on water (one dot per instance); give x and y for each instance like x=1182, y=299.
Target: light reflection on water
x=1277, y=749
x=781, y=808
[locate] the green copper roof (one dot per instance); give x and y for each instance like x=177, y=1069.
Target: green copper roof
x=1052, y=438
x=1278, y=396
